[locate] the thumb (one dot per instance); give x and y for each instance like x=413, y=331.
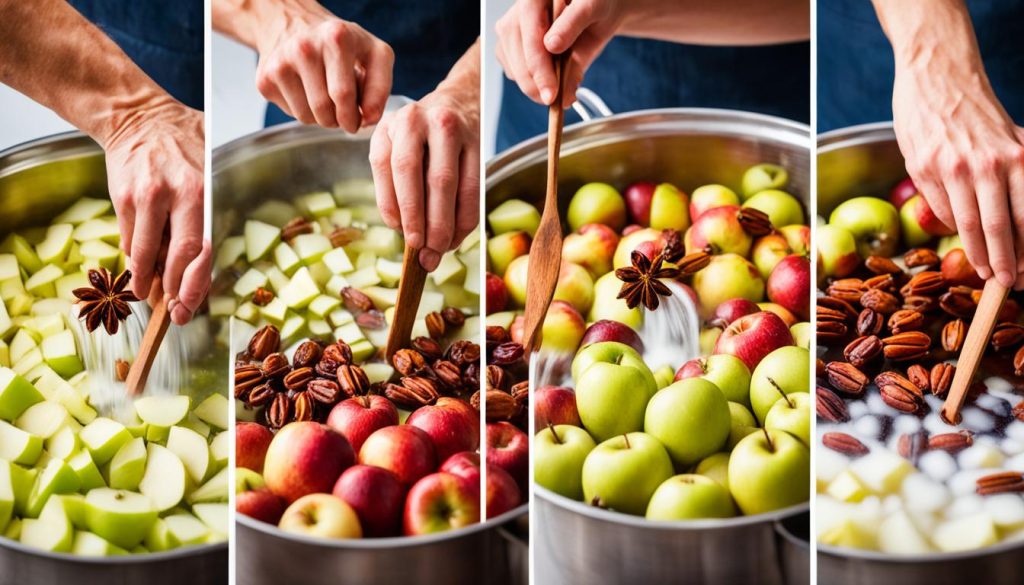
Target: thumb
x=569, y=25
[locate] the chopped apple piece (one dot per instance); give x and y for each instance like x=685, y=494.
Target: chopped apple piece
x=18, y=446
x=159, y=538
x=249, y=282
x=16, y=393
x=323, y=305
x=293, y=328
x=881, y=471
x=6, y=496
x=300, y=291
x=44, y=419
x=25, y=253
x=60, y=353
x=260, y=238
x=286, y=258
x=966, y=533
x=122, y=517
x=57, y=243
x=192, y=422
x=104, y=437
x=362, y=350
x=448, y=270
x=83, y=210
x=214, y=516
x=56, y=478
x=337, y=261
x=87, y=544
x=247, y=312
x=64, y=443
x=128, y=465
x=274, y=212
x=898, y=534
x=364, y=277
x=164, y=411
x=382, y=297
x=213, y=411
x=311, y=247
x=339, y=317
x=214, y=490
x=222, y=306
x=275, y=312
x=52, y=531
x=88, y=474
x=221, y=448
x=186, y=529
x=192, y=449
x=9, y=267
x=848, y=533
x=100, y=253
x=378, y=372
x=231, y=249
x=42, y=283
x=103, y=229
x=164, y=480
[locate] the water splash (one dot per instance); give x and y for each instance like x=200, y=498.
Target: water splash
x=671, y=334
x=100, y=351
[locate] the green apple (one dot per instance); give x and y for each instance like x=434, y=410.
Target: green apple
x=128, y=465
x=597, y=203
x=162, y=411
x=837, y=252
x=613, y=385
x=16, y=393
x=164, y=480
x=947, y=243
x=802, y=333
x=715, y=466
x=768, y=471
x=103, y=437
x=763, y=176
x=607, y=305
x=898, y=535
x=781, y=207
x=300, y=290
x=83, y=210
x=873, y=222
x=792, y=414
x=87, y=544
x=52, y=531
x=186, y=529
x=44, y=419
x=786, y=370
x=192, y=449
x=17, y=446
x=260, y=239
x=690, y=496
x=502, y=249
x=7, y=495
x=514, y=215
x=559, y=453
x=632, y=241
x=913, y=234
x=711, y=196
x=60, y=354
x=213, y=410
x=623, y=472
x=216, y=517
x=728, y=276
x=690, y=418
x=214, y=490
x=664, y=376
x=708, y=339
x=88, y=474
x=121, y=517
x=221, y=446
x=669, y=208
x=730, y=374
x=247, y=480
x=159, y=538
x=741, y=423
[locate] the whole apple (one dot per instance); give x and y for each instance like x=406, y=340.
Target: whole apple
x=716, y=467
x=792, y=414
x=874, y=223
x=608, y=307
x=306, y=458
x=597, y=203
x=559, y=452
x=405, y=450
x=910, y=226
x=670, y=209
x=260, y=504
x=504, y=248
x=781, y=312
x=251, y=443
x=958, y=271
x=623, y=473
x=574, y=286
x=927, y=219
x=377, y=497
x=790, y=285
x=608, y=330
x=802, y=333
x=516, y=276
x=727, y=312
x=768, y=251
x=786, y=370
x=439, y=502
x=727, y=372
x=752, y=337
x=763, y=176
x=798, y=236
x=718, y=230
x=837, y=252
x=360, y=416
x=708, y=339
x=708, y=197
x=496, y=293
x=613, y=385
x=902, y=192
x=502, y=492
x=633, y=241
x=638, y=201
x=555, y=405
x=509, y=448
x=769, y=470
x=728, y=276
x=452, y=424
x=690, y=418
x=563, y=328
x=321, y=515
x=741, y=424
x=592, y=247
x=781, y=207
x=690, y=496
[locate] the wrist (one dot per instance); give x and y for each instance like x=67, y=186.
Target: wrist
x=127, y=113
x=278, y=19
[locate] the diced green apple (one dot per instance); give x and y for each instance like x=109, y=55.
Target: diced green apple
x=55, y=246
x=294, y=327
x=274, y=212
x=389, y=271
x=249, y=282
x=221, y=306
x=25, y=253
x=286, y=258
x=323, y=305
x=164, y=480
x=378, y=372
x=6, y=496
x=193, y=422
x=122, y=517
x=221, y=448
x=128, y=465
x=317, y=204
x=260, y=238
x=9, y=267
x=214, y=516
x=87, y=544
x=247, y=312
x=213, y=411
x=363, y=277
x=88, y=474
x=186, y=529
x=337, y=261
x=448, y=270
x=22, y=343
x=231, y=249
x=52, y=531
x=83, y=210
x=44, y=419
x=311, y=247
x=214, y=490
x=192, y=449
x=275, y=312
x=18, y=446
x=382, y=297
x=42, y=283
x=16, y=393
x=339, y=317
x=100, y=253
x=64, y=443
x=60, y=353
x=103, y=438
x=159, y=538
x=300, y=291
x=28, y=361
x=362, y=350
x=966, y=533
x=102, y=229
x=56, y=478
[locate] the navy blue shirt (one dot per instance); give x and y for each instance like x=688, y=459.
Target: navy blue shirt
x=165, y=39
x=636, y=74
x=856, y=69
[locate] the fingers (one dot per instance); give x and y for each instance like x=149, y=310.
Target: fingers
x=964, y=203
x=994, y=212
x=309, y=64
x=290, y=86
x=442, y=184
x=195, y=285
x=467, y=206
x=516, y=62
x=125, y=211
x=376, y=88
x=384, y=186
x=1016, y=186
x=186, y=241
x=408, y=141
x=533, y=21
x=341, y=80
x=569, y=25
x=150, y=220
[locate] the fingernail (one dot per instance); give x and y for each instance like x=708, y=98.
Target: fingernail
x=984, y=273
x=1005, y=279
x=171, y=304
x=546, y=95
x=429, y=259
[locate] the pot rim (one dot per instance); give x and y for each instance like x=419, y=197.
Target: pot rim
x=129, y=559
x=673, y=525
x=83, y=145
x=289, y=134
x=851, y=136
x=391, y=542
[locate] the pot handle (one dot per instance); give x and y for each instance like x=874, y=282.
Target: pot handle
x=590, y=106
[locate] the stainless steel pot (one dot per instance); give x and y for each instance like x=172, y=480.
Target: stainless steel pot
x=575, y=543
x=865, y=160
x=37, y=180
x=292, y=160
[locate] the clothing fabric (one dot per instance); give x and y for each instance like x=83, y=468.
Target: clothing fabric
x=856, y=69
x=427, y=37
x=637, y=74
x=165, y=39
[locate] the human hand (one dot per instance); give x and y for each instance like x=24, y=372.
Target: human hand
x=155, y=175
x=426, y=169
x=527, y=39
x=323, y=70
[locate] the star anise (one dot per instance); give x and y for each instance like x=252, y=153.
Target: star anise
x=641, y=281
x=106, y=301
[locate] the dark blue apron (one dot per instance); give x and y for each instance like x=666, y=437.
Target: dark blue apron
x=165, y=39
x=855, y=62
x=637, y=74
x=427, y=37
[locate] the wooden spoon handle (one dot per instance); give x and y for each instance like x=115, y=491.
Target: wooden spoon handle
x=977, y=339
x=410, y=289
x=159, y=321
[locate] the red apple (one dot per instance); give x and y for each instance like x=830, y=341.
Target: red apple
x=789, y=285
x=608, y=330
x=439, y=502
x=405, y=450
x=260, y=504
x=502, y=492
x=902, y=192
x=509, y=448
x=592, y=247
x=496, y=293
x=377, y=497
x=720, y=231
x=638, y=201
x=650, y=248
x=727, y=312
x=752, y=337
x=957, y=270
x=694, y=368
x=555, y=405
x=631, y=228
x=358, y=417
x=465, y=464
x=251, y=443
x=306, y=458
x=927, y=219
x=798, y=237
x=452, y=425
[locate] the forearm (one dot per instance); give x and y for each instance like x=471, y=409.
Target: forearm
x=463, y=80
x=920, y=31
x=723, y=22
x=250, y=22
x=58, y=58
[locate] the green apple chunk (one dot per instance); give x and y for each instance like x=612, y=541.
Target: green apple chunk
x=128, y=465
x=214, y=490
x=103, y=437
x=216, y=517
x=769, y=470
x=612, y=392
x=60, y=354
x=192, y=449
x=88, y=474
x=22, y=480
x=83, y=210
x=623, y=472
x=221, y=447
x=44, y=419
x=57, y=243
x=763, y=176
x=164, y=480
x=121, y=517
x=559, y=453
x=52, y=531
x=260, y=238
x=690, y=496
x=162, y=411
x=160, y=538
x=784, y=371
x=17, y=446
x=214, y=410
x=300, y=290
x=792, y=414
x=87, y=544
x=186, y=529
x=513, y=215
x=6, y=495
x=690, y=418
x=16, y=393
x=56, y=478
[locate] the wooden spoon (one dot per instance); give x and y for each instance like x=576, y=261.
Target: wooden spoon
x=410, y=289
x=159, y=321
x=977, y=339
x=546, y=249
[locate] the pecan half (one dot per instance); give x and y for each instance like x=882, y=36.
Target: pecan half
x=912, y=446
x=296, y=380
x=927, y=283
x=521, y=391
x=372, y=319
x=274, y=366
x=1000, y=483
x=1007, y=335
x=1018, y=362
x=869, y=322
x=900, y=398
x=863, y=350
x=338, y=352
x=830, y=406
x=262, y=297
x=830, y=331
x=279, y=412
x=500, y=406
x=754, y=221
x=343, y=236
x=121, y=368
x=921, y=257
x=830, y=314
x=846, y=378
x=882, y=265
x=430, y=348
x=951, y=443
x=958, y=304
x=355, y=300
x=953, y=334
x=846, y=289
x=303, y=408
x=352, y=380
x=404, y=397
x=246, y=378
x=324, y=391
x=920, y=377
x=880, y=301
x=891, y=378
x=261, y=395
x=911, y=345
x=448, y=374
x=846, y=444
x=265, y=341
x=296, y=227
x=453, y=317
x=408, y=362
x=423, y=388
x=463, y=353
x=941, y=378
x=920, y=303
x=307, y=354
x=905, y=320
x=497, y=379
x=693, y=263
x=435, y=325
x=882, y=282
x=839, y=305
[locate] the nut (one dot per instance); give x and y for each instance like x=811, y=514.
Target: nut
x=408, y=362
x=921, y=304
x=343, y=236
x=279, y=412
x=900, y=398
x=339, y=352
x=471, y=376
x=830, y=314
x=496, y=334
x=953, y=335
x=435, y=325
x=507, y=353
x=274, y=366
x=324, y=391
x=1000, y=483
x=262, y=297
x=464, y=353
x=941, y=378
x=355, y=300
x=1007, y=335
x=927, y=283
x=296, y=380
x=846, y=378
x=500, y=406
x=246, y=378
x=912, y=446
x=372, y=319
x=829, y=331
x=921, y=257
x=352, y=380
x=754, y=221
x=447, y=374
x=261, y=395
x=1018, y=411
x=693, y=262
x=453, y=318
x=326, y=368
x=863, y=350
x=1018, y=362
x=880, y=301
x=839, y=305
x=845, y=444
x=404, y=397
x=296, y=227
x=521, y=391
x=264, y=342
x=910, y=345
x=869, y=322
x=303, y=408
x=430, y=349
x=307, y=354
x=846, y=289
x=830, y=407
x=905, y=320
x=951, y=443
x=958, y=304
x=882, y=282
x=497, y=379
x=896, y=379
x=882, y=265
x=423, y=388
x=920, y=377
